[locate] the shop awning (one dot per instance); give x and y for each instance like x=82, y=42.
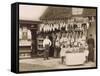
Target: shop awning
x=53, y=13
x=56, y=13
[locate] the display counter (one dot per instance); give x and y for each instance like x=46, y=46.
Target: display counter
x=75, y=58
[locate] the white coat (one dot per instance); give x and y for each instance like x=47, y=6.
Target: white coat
x=63, y=52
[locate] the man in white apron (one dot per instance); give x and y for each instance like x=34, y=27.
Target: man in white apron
x=46, y=45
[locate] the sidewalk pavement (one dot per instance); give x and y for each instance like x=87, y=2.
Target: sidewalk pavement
x=52, y=63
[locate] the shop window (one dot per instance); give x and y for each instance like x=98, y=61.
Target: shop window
x=40, y=41
x=20, y=33
x=77, y=11
x=24, y=33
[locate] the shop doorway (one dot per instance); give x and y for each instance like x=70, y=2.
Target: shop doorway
x=51, y=51
x=34, y=42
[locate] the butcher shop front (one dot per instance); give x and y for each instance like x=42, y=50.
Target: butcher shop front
x=67, y=28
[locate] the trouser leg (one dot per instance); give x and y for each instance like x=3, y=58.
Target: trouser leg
x=58, y=52
x=91, y=54
x=46, y=52
x=62, y=59
x=47, y=55
x=55, y=52
x=44, y=55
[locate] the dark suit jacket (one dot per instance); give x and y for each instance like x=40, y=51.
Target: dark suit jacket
x=90, y=42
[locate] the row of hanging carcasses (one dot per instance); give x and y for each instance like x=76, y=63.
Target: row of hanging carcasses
x=78, y=34
x=48, y=27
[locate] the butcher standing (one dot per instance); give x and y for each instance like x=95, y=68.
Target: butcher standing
x=90, y=43
x=46, y=45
